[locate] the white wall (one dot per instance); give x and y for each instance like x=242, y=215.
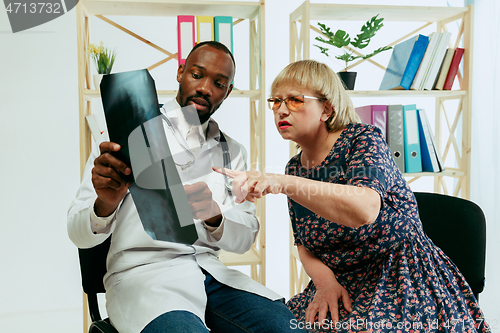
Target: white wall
x=39, y=161
x=485, y=179
x=39, y=279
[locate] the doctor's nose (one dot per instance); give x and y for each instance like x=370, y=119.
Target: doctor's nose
x=204, y=88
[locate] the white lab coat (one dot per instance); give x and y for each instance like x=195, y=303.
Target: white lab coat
x=147, y=277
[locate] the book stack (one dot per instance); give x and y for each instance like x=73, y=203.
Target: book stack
x=218, y=28
x=408, y=134
x=423, y=63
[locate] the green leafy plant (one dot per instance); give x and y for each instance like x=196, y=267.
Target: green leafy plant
x=103, y=58
x=341, y=39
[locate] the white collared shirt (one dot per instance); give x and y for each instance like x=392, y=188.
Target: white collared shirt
x=145, y=277
x=194, y=134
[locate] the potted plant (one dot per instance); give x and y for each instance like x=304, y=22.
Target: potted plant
x=104, y=59
x=341, y=39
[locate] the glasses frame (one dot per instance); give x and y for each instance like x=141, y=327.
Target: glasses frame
x=281, y=100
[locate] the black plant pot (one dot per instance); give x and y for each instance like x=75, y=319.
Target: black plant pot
x=348, y=78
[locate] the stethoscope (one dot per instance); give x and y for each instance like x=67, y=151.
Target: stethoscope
x=228, y=182
x=179, y=141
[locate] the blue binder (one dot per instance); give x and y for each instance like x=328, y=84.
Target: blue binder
x=413, y=159
x=404, y=63
x=430, y=156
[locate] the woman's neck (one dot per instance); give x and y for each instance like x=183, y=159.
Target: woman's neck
x=314, y=152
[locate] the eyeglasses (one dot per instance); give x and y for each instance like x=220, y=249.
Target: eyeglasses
x=291, y=102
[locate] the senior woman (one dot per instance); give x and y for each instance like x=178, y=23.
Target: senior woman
x=355, y=220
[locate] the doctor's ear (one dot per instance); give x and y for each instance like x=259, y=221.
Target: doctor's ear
x=180, y=71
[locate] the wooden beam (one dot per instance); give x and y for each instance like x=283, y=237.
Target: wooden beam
x=453, y=18
x=161, y=62
x=445, y=187
x=297, y=43
x=457, y=187
x=261, y=136
x=466, y=82
x=82, y=29
x=238, y=21
x=253, y=62
x=459, y=34
x=413, y=179
x=116, y=25
x=452, y=128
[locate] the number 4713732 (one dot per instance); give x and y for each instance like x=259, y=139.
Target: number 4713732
x=492, y=324
x=33, y=8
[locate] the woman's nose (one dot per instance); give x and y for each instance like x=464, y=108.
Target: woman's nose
x=282, y=109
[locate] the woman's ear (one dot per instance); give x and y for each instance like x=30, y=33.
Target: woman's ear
x=328, y=111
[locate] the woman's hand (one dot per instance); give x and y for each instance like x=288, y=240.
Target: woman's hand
x=250, y=185
x=327, y=299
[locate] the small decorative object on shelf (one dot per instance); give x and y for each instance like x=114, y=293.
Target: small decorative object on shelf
x=341, y=39
x=104, y=59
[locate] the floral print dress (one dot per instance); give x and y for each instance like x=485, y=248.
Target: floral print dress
x=398, y=280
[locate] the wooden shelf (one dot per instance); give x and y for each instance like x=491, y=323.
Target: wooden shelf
x=446, y=173
x=244, y=10
x=407, y=93
x=251, y=257
x=90, y=94
x=448, y=125
x=347, y=12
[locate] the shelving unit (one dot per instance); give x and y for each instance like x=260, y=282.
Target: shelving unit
x=251, y=12
x=300, y=43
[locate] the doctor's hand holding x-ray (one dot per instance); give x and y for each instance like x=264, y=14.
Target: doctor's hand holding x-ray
x=202, y=204
x=109, y=177
x=110, y=180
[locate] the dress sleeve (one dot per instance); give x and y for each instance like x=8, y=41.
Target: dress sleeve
x=369, y=160
x=291, y=212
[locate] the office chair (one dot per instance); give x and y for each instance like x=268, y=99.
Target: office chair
x=458, y=227
x=93, y=268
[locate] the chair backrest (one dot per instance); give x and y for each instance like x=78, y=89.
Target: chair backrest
x=458, y=227
x=92, y=269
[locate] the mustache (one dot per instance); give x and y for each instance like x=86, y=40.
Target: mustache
x=190, y=98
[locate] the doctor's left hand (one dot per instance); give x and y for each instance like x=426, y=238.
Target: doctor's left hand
x=251, y=185
x=202, y=204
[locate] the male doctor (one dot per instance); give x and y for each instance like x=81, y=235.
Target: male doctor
x=161, y=286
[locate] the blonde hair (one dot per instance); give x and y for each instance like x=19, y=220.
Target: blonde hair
x=325, y=83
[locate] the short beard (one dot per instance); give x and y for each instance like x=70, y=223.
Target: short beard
x=193, y=118
x=203, y=119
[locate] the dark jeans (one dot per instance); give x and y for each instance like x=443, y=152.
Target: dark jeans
x=228, y=310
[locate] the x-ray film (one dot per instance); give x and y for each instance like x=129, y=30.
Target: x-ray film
x=134, y=122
